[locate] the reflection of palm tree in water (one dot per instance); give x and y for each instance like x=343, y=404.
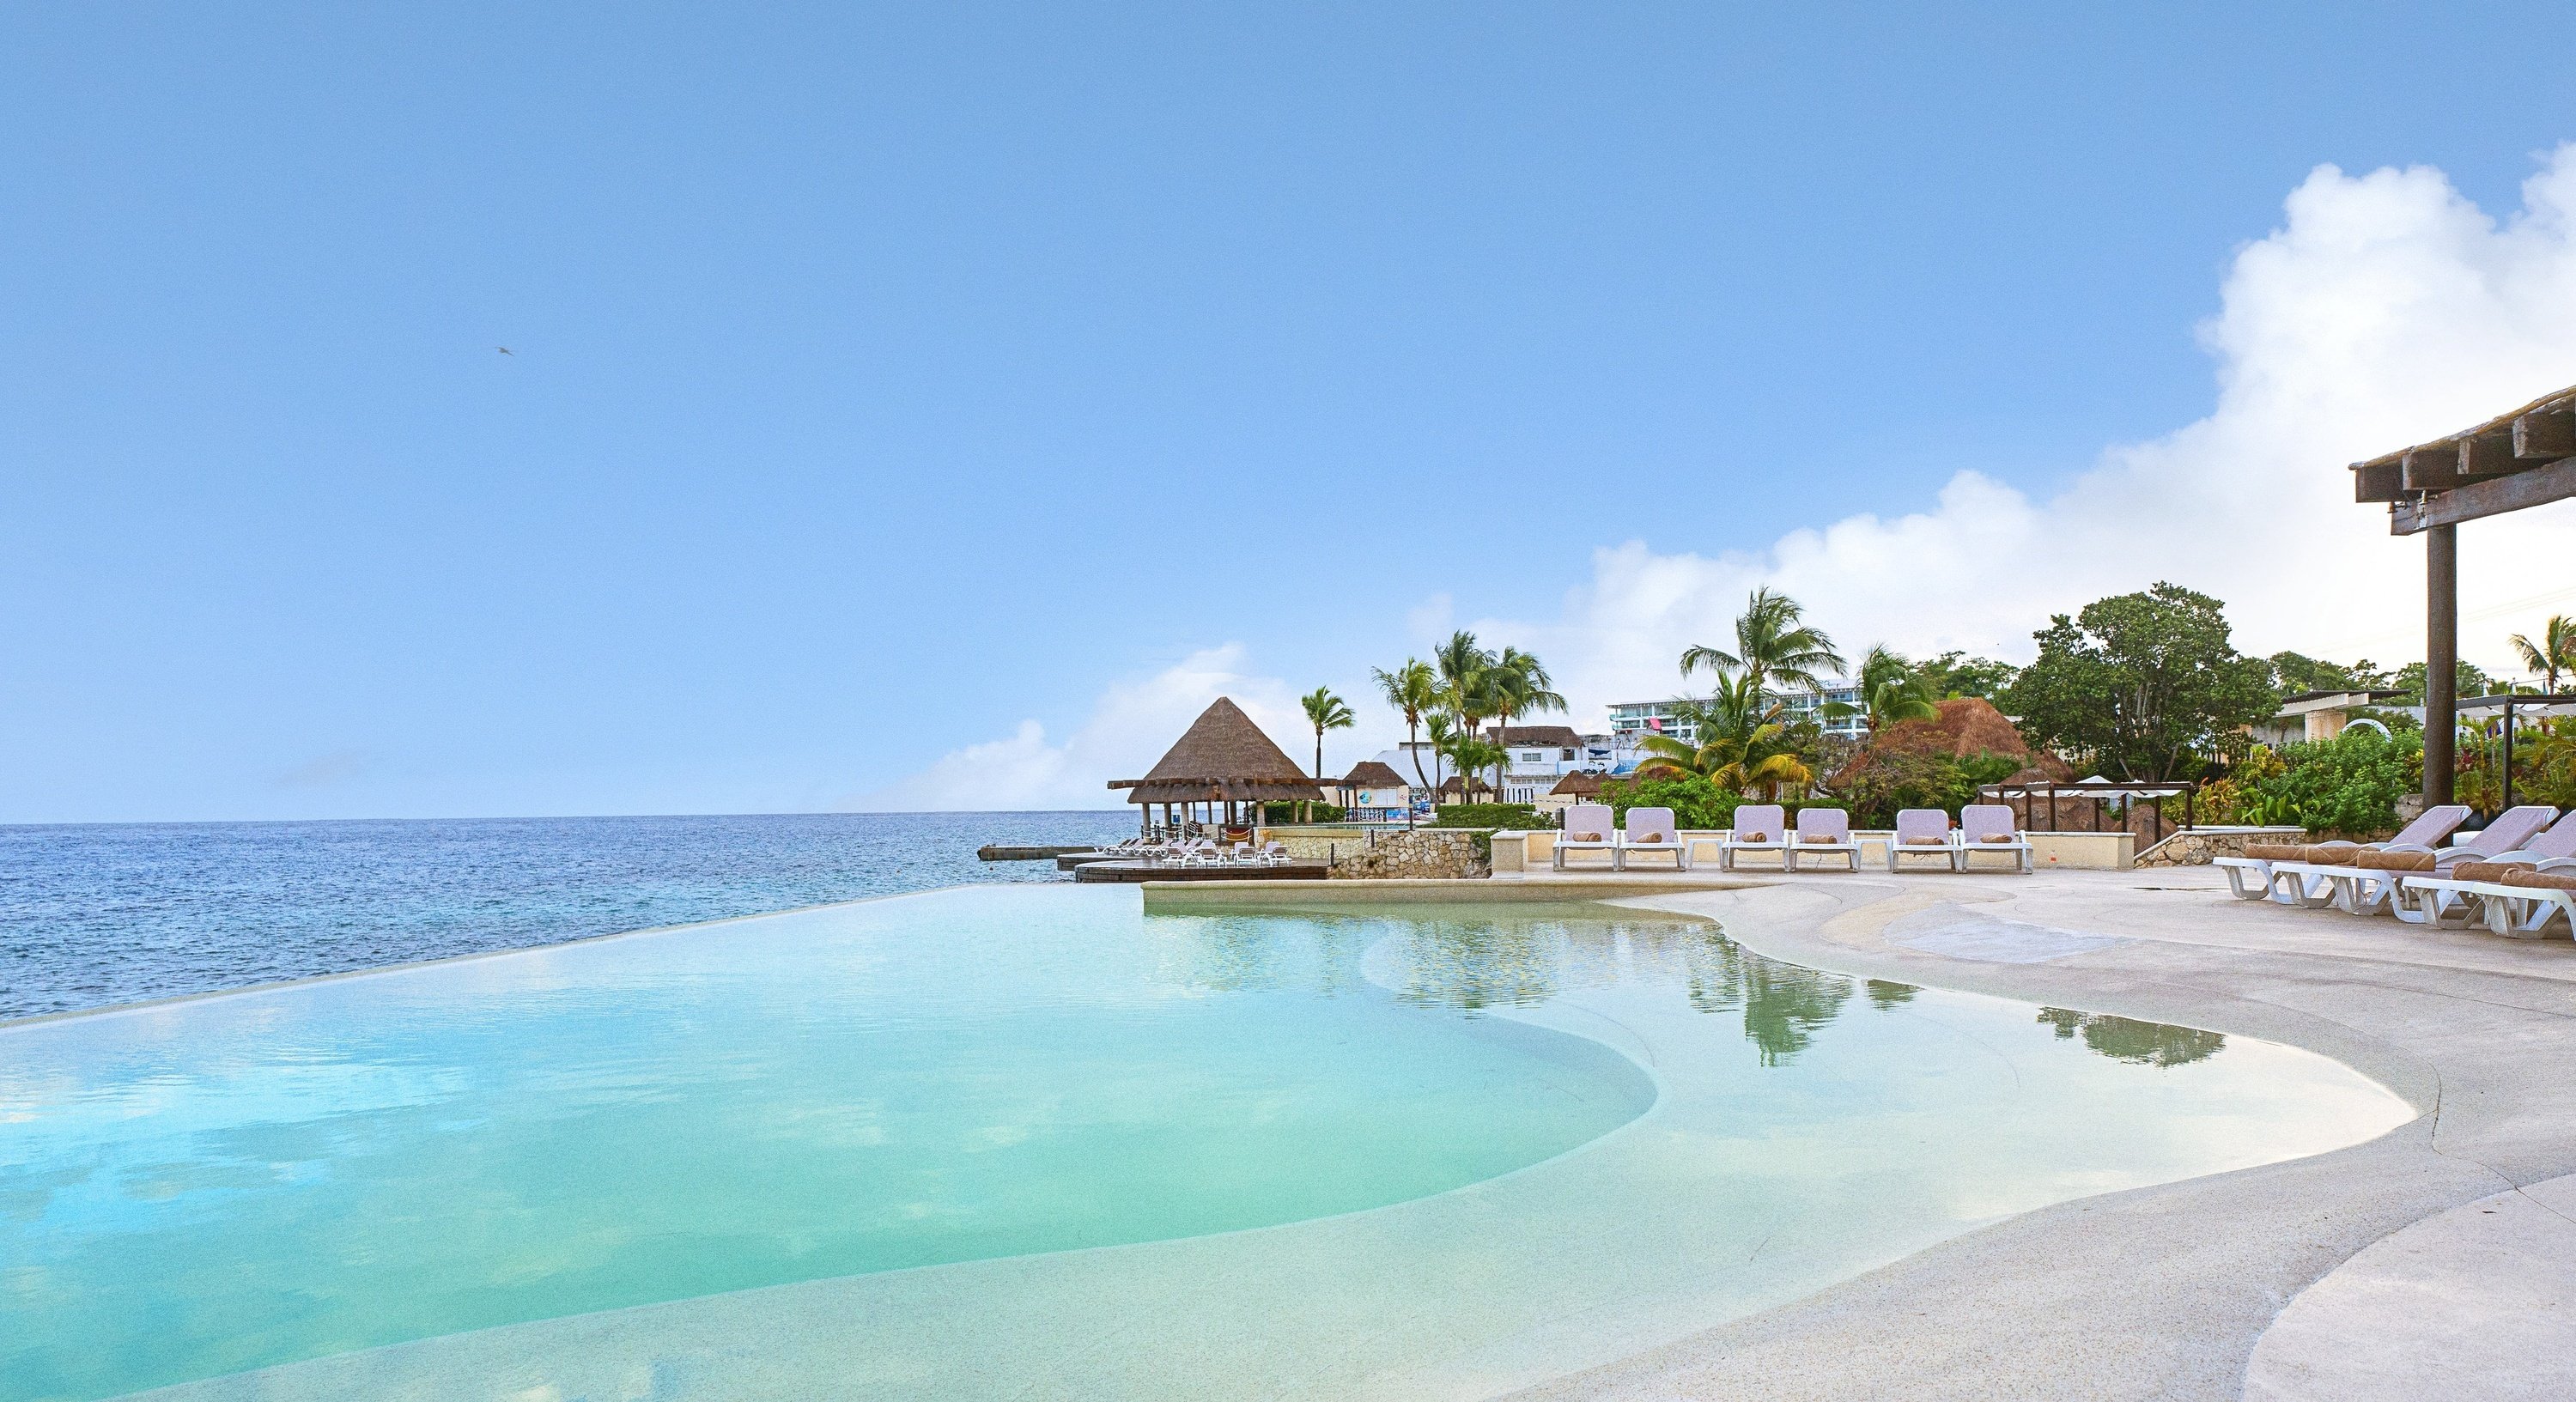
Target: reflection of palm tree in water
x=1886, y=997
x=1475, y=964
x=2127, y=1039
x=1783, y=1005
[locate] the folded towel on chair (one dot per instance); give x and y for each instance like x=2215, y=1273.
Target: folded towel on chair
x=2486, y=871
x=1642, y=838
x=2330, y=854
x=2393, y=861
x=1583, y=837
x=2277, y=851
x=1996, y=837
x=1824, y=837
x=1925, y=842
x=1753, y=837
x=2544, y=880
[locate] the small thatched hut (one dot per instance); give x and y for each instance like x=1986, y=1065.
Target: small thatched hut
x=1220, y=771
x=1374, y=793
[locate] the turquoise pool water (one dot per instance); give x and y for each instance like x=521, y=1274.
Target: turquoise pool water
x=566, y=1172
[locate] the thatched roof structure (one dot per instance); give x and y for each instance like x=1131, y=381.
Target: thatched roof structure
x=1582, y=783
x=2521, y=457
x=1371, y=774
x=1223, y=757
x=1557, y=736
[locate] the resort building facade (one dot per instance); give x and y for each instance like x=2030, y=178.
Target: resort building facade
x=1632, y=720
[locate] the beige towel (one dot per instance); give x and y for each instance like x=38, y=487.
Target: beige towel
x=1996, y=837
x=2394, y=861
x=1753, y=837
x=1583, y=837
x=2486, y=871
x=1642, y=838
x=2546, y=880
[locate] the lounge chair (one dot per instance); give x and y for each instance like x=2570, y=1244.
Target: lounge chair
x=2525, y=901
x=1988, y=827
x=1650, y=832
x=1588, y=828
x=2458, y=892
x=2370, y=883
x=2279, y=870
x=1759, y=827
x=1822, y=832
x=1923, y=832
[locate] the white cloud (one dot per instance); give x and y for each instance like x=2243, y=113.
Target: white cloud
x=1129, y=728
x=2386, y=310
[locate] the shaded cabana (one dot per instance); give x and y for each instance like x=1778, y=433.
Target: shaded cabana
x=1220, y=771
x=2523, y=457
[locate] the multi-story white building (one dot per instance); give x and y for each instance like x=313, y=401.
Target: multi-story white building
x=1632, y=719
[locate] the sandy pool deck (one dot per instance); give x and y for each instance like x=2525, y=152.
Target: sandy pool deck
x=2436, y=1260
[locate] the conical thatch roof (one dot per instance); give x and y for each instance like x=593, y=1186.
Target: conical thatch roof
x=1371, y=774
x=1223, y=756
x=1582, y=783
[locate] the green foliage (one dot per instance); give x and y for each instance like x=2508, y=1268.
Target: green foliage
x=1697, y=804
x=1517, y=817
x=1285, y=811
x=1888, y=781
x=2293, y=673
x=2468, y=678
x=2349, y=784
x=1953, y=674
x=2143, y=685
x=1773, y=643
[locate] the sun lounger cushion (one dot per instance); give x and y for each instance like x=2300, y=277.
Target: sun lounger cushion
x=2393, y=861
x=2486, y=871
x=2277, y=851
x=2545, y=880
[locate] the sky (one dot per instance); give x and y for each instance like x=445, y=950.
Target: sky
x=936, y=406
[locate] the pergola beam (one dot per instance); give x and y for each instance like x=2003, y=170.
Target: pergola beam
x=2546, y=434
x=2489, y=496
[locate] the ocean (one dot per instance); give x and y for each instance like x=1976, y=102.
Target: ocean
x=96, y=915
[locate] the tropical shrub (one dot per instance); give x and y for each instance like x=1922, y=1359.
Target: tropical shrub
x=1286, y=812
x=2349, y=784
x=1887, y=781
x=1698, y=805
x=1518, y=817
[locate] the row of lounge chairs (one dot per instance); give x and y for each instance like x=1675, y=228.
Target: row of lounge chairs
x=2516, y=876
x=1194, y=852
x=1820, y=835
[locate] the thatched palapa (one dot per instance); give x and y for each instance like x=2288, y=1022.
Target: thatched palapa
x=1223, y=758
x=1372, y=774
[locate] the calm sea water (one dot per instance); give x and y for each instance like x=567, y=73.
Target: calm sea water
x=102, y=914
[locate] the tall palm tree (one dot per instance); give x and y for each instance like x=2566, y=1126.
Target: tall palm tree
x=1324, y=711
x=1443, y=733
x=1462, y=666
x=2553, y=654
x=1413, y=690
x=1891, y=690
x=1773, y=643
x=1516, y=685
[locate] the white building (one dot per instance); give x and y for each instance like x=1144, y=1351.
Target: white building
x=1631, y=719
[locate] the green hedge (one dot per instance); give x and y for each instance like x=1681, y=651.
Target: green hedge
x=1287, y=813
x=2349, y=784
x=1518, y=817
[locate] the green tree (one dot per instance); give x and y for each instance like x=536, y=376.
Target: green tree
x=1463, y=688
x=2141, y=684
x=2554, y=653
x=2295, y=673
x=1891, y=690
x=1413, y=690
x=1324, y=711
x=1516, y=685
x=1773, y=643
x=1954, y=674
x=2467, y=679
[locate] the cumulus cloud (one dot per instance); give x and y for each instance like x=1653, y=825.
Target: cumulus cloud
x=1128, y=729
x=2385, y=310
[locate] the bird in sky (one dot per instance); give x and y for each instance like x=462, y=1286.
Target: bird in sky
x=505, y=350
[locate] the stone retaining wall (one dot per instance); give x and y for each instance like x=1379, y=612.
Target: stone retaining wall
x=1440, y=853
x=2194, y=847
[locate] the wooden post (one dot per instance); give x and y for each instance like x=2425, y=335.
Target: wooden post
x=2441, y=660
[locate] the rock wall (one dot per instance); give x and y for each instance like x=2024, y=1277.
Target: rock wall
x=2193, y=847
x=1446, y=853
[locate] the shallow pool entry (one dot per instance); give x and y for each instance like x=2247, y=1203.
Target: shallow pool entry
x=919, y=1112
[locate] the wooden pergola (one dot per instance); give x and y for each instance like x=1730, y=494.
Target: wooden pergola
x=2525, y=457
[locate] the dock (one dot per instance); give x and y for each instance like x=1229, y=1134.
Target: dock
x=994, y=852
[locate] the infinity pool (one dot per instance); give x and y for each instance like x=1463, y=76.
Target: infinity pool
x=1032, y=1141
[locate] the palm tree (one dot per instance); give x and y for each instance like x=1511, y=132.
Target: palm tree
x=1773, y=643
x=1324, y=711
x=1473, y=755
x=1727, y=761
x=1442, y=732
x=1891, y=690
x=1462, y=667
x=1516, y=685
x=1413, y=690
x=2553, y=654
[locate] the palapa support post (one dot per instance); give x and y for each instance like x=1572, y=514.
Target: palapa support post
x=2441, y=661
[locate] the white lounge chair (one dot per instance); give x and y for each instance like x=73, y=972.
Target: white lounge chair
x=1588, y=828
x=2280, y=871
x=2525, y=901
x=1923, y=832
x=1823, y=832
x=1759, y=827
x=2369, y=885
x=1650, y=832
x=2456, y=893
x=1988, y=828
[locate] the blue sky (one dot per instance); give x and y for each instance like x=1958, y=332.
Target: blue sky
x=883, y=380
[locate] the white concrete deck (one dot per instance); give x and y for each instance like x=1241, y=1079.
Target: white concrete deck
x=2436, y=1261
